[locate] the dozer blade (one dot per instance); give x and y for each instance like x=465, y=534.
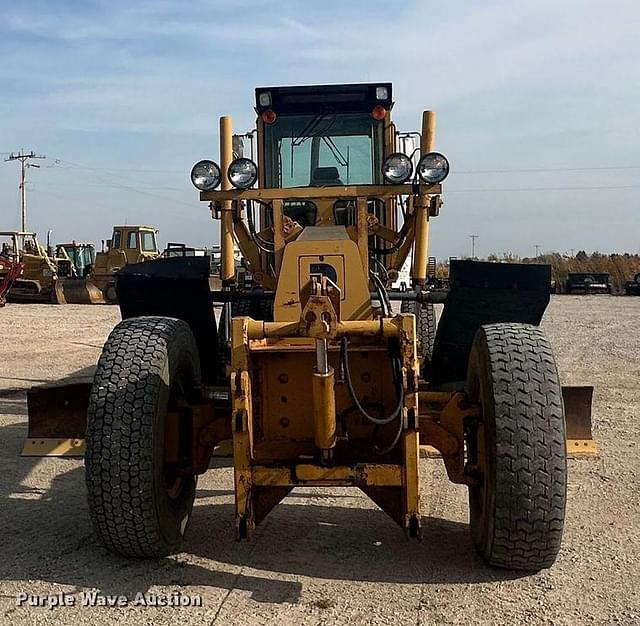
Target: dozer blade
x=57, y=418
x=577, y=412
x=78, y=291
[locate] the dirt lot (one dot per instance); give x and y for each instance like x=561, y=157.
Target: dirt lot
x=326, y=558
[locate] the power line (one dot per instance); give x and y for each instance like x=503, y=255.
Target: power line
x=537, y=170
x=536, y=189
x=131, y=188
x=80, y=166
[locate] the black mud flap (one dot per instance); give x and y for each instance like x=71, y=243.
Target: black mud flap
x=174, y=287
x=484, y=293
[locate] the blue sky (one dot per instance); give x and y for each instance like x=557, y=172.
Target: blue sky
x=123, y=97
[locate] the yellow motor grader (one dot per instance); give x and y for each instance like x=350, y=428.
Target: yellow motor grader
x=128, y=244
x=311, y=373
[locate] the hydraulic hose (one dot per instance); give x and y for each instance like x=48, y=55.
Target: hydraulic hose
x=378, y=421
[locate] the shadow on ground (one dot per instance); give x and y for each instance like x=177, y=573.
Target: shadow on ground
x=48, y=537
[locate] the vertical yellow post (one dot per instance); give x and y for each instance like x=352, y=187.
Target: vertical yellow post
x=278, y=232
x=411, y=433
x=242, y=418
x=226, y=223
x=421, y=251
x=362, y=212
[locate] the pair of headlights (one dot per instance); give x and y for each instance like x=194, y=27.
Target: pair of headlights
x=206, y=175
x=397, y=168
x=433, y=168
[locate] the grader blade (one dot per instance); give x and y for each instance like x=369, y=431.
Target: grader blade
x=78, y=291
x=57, y=418
x=577, y=413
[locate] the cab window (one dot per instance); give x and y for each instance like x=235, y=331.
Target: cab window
x=325, y=149
x=132, y=240
x=149, y=242
x=116, y=241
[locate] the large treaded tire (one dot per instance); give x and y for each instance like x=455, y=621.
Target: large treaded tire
x=517, y=514
x=425, y=325
x=145, y=362
x=256, y=309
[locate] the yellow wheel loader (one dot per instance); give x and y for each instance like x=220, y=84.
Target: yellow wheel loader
x=128, y=244
x=313, y=376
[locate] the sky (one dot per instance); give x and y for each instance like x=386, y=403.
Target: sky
x=538, y=105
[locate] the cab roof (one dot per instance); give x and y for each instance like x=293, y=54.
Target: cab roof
x=309, y=99
x=134, y=227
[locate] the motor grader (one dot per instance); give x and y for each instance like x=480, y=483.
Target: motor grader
x=324, y=385
x=128, y=244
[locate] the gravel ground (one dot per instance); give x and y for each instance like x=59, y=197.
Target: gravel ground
x=325, y=557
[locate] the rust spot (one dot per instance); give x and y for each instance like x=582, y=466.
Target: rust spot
x=283, y=379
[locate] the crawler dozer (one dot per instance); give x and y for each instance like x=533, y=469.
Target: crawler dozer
x=128, y=244
x=311, y=373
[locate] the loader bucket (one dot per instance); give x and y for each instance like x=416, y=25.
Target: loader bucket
x=57, y=418
x=78, y=291
x=577, y=414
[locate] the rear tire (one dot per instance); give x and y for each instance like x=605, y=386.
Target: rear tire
x=518, y=509
x=425, y=326
x=261, y=310
x=139, y=504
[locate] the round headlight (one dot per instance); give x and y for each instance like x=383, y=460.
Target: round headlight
x=205, y=175
x=397, y=168
x=433, y=168
x=242, y=173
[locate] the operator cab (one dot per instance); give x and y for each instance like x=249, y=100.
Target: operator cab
x=321, y=136
x=142, y=239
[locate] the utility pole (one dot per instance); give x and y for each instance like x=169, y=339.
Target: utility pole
x=473, y=245
x=24, y=158
x=537, y=250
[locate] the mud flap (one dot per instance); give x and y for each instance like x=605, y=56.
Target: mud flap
x=57, y=418
x=78, y=291
x=484, y=293
x=175, y=287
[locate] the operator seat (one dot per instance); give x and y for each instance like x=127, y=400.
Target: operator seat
x=325, y=177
